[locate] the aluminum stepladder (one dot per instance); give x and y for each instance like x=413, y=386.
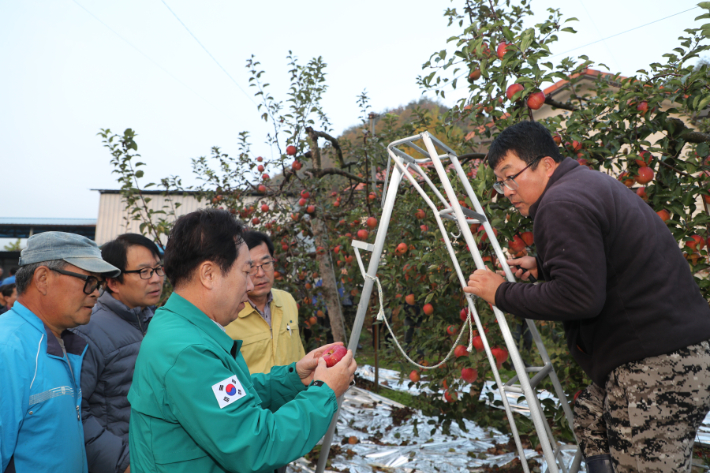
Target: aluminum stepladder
x=434, y=151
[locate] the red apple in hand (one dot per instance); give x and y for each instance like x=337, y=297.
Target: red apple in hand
x=334, y=355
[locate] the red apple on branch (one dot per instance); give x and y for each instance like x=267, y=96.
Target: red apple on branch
x=296, y=165
x=645, y=174
x=414, y=376
x=512, y=90
x=371, y=222
x=428, y=309
x=460, y=351
x=502, y=49
x=409, y=299
x=536, y=100
x=478, y=343
x=291, y=150
x=500, y=354
x=363, y=234
x=527, y=238
x=469, y=375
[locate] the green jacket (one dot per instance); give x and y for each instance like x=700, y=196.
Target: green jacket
x=196, y=408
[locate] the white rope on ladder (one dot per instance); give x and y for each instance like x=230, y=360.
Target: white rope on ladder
x=381, y=316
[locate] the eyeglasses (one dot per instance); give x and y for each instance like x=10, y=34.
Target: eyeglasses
x=92, y=283
x=510, y=182
x=266, y=266
x=147, y=273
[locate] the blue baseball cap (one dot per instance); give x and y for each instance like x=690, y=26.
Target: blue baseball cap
x=74, y=249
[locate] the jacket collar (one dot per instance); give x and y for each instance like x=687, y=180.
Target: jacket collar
x=120, y=309
x=187, y=310
x=73, y=343
x=567, y=165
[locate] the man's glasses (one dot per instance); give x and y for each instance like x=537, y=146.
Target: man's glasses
x=92, y=283
x=510, y=182
x=265, y=266
x=147, y=273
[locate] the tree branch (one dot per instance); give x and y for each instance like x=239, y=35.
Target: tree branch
x=333, y=141
x=327, y=171
x=554, y=103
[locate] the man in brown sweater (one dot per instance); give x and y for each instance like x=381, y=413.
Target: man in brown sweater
x=634, y=318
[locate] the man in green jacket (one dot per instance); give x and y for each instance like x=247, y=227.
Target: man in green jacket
x=194, y=405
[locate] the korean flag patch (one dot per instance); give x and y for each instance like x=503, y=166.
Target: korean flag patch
x=228, y=391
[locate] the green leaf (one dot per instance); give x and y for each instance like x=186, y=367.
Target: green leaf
x=703, y=103
x=139, y=174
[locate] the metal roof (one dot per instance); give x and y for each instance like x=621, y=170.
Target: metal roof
x=73, y=222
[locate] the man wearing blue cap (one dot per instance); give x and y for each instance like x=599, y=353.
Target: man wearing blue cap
x=58, y=282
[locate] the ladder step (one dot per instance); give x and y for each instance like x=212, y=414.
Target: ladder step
x=363, y=246
x=542, y=371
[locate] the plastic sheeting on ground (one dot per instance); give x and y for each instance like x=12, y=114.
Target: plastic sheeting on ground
x=410, y=446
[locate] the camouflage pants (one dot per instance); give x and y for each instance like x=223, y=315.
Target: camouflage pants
x=648, y=413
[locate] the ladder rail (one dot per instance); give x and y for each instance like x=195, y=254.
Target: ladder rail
x=538, y=420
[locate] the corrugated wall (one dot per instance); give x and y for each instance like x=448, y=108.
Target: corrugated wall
x=112, y=220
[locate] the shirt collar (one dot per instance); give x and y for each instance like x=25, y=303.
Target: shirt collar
x=122, y=310
x=187, y=310
x=269, y=300
x=73, y=343
x=565, y=166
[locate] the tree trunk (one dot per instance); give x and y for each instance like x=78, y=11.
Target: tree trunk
x=330, y=283
x=325, y=265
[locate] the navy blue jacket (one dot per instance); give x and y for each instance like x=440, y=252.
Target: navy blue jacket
x=114, y=336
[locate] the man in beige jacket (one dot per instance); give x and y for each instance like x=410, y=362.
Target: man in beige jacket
x=268, y=324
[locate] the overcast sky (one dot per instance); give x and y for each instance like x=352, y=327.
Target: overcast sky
x=65, y=75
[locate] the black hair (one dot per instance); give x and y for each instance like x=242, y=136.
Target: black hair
x=527, y=140
x=253, y=239
x=6, y=289
x=115, y=251
x=13, y=270
x=204, y=235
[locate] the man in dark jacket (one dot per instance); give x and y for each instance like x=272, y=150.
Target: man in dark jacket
x=118, y=323
x=634, y=318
